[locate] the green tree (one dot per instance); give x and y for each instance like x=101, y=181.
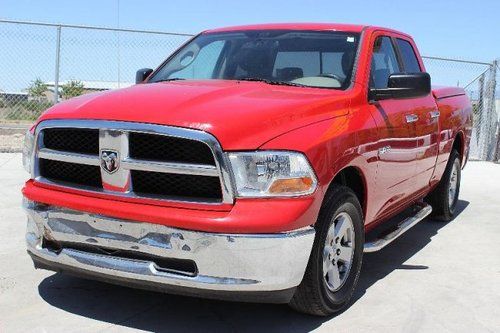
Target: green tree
x=72, y=89
x=37, y=89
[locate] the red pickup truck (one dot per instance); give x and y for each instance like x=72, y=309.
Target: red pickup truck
x=257, y=163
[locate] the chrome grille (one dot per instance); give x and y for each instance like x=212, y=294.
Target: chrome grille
x=152, y=161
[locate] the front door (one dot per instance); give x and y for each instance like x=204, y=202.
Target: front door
x=397, y=145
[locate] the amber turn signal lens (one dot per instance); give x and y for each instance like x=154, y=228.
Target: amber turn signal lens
x=302, y=184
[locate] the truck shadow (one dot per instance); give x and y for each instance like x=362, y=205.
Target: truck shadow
x=159, y=312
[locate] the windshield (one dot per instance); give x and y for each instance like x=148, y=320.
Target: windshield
x=303, y=58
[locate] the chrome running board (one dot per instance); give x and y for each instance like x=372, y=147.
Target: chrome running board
x=423, y=211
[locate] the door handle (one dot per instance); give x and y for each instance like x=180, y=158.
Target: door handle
x=434, y=114
x=384, y=150
x=411, y=118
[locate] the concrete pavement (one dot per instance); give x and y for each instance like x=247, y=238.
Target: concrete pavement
x=437, y=277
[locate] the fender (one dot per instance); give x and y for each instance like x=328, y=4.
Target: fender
x=333, y=145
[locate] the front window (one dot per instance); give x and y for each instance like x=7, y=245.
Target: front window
x=302, y=58
x=384, y=63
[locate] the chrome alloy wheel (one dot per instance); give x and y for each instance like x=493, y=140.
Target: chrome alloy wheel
x=338, y=252
x=453, y=186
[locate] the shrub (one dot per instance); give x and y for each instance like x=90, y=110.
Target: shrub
x=37, y=89
x=27, y=110
x=72, y=89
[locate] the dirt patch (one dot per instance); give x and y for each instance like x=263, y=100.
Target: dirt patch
x=12, y=143
x=12, y=136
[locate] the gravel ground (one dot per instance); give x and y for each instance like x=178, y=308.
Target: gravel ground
x=438, y=277
x=12, y=137
x=11, y=143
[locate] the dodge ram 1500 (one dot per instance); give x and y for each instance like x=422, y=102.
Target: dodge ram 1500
x=248, y=166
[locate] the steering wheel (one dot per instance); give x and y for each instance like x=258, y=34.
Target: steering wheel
x=332, y=76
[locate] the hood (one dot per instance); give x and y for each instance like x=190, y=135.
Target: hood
x=241, y=115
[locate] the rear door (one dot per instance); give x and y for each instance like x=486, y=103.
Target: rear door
x=423, y=118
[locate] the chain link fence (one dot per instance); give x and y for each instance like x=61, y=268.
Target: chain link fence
x=43, y=64
x=480, y=81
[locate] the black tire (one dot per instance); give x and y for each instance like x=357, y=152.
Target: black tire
x=312, y=295
x=439, y=199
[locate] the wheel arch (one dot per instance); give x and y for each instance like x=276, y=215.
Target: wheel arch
x=459, y=145
x=353, y=178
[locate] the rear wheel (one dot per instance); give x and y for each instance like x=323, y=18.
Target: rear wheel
x=335, y=261
x=444, y=197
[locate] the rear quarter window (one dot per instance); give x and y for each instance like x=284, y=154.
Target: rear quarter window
x=408, y=56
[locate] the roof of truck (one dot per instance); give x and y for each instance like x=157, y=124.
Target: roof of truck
x=294, y=26
x=357, y=28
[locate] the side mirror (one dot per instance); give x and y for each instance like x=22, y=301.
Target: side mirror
x=142, y=74
x=404, y=86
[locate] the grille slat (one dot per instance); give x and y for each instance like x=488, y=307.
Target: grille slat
x=169, y=149
x=157, y=149
x=79, y=174
x=76, y=140
x=167, y=184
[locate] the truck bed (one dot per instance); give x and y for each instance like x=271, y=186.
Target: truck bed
x=440, y=92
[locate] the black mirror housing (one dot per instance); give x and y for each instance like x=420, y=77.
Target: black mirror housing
x=404, y=85
x=142, y=74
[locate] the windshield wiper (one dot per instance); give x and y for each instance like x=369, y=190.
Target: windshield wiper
x=167, y=80
x=256, y=79
x=278, y=83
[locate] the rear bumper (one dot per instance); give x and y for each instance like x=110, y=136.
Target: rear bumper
x=245, y=267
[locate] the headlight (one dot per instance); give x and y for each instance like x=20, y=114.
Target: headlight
x=29, y=140
x=272, y=173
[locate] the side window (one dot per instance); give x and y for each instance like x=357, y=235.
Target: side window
x=410, y=61
x=384, y=62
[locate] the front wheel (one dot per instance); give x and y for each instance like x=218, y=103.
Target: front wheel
x=335, y=262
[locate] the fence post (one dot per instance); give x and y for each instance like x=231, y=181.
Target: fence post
x=496, y=156
x=485, y=118
x=491, y=119
x=58, y=56
x=480, y=110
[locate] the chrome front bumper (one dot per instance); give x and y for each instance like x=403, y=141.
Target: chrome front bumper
x=229, y=264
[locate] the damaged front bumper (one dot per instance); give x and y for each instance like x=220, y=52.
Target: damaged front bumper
x=243, y=267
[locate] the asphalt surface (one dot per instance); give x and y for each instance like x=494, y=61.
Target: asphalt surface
x=438, y=277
